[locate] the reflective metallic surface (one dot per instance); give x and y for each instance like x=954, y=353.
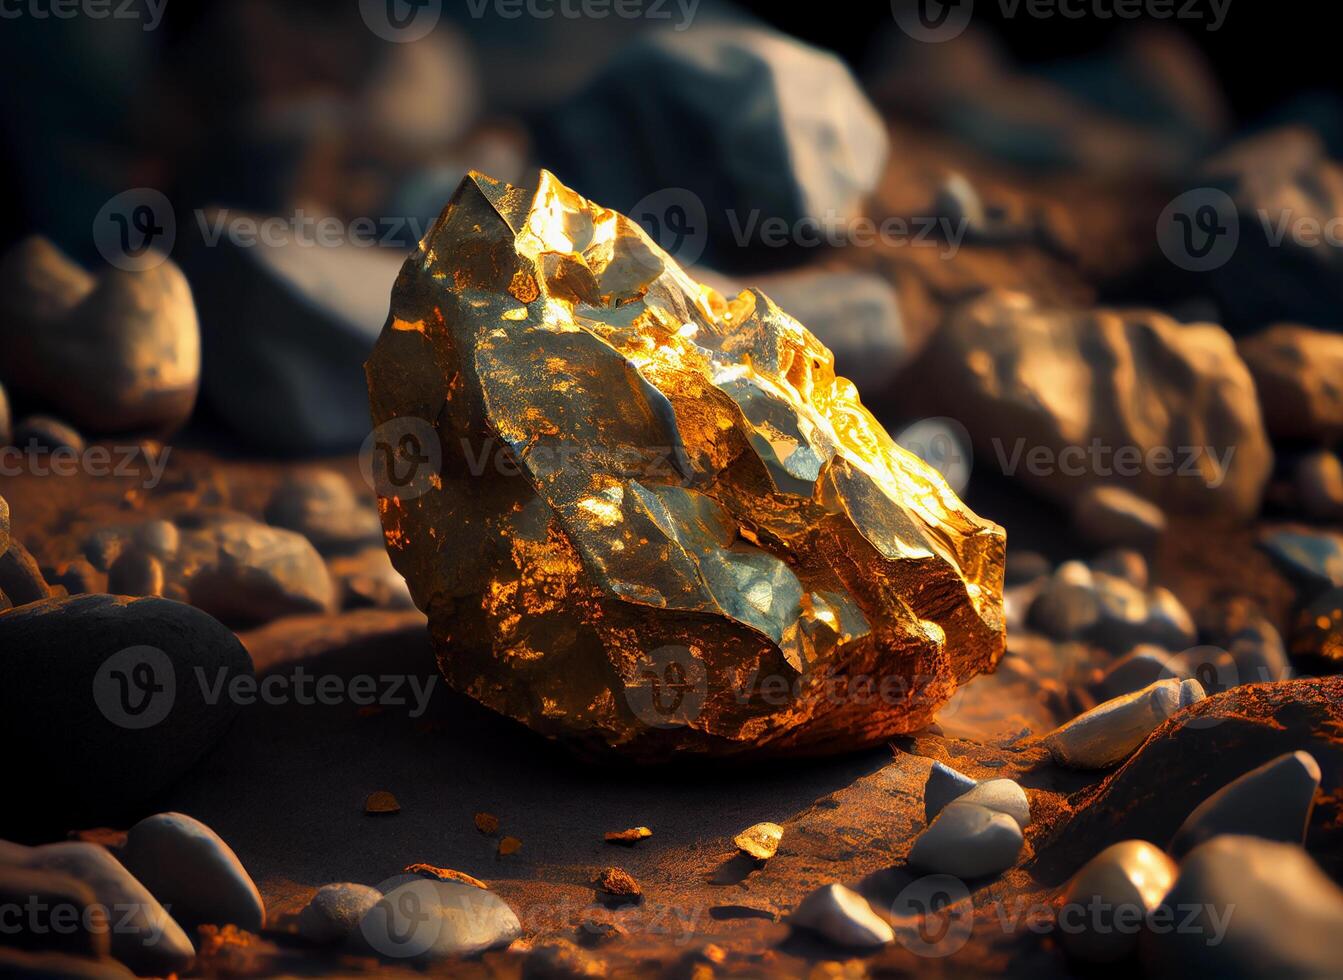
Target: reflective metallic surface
x=661, y=522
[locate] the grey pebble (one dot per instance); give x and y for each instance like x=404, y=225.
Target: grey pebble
x=41, y=432
x=1273, y=801
x=1111, y=515
x=1243, y=907
x=135, y=573
x=322, y=506
x=430, y=920
x=969, y=841
x=943, y=785
x=334, y=912
x=190, y=869
x=46, y=898
x=843, y=917
x=145, y=937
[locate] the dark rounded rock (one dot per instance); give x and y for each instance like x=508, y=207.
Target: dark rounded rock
x=1273, y=801
x=43, y=433
x=1067, y=604
x=143, y=936
x=287, y=329
x=1143, y=665
x=1025, y=566
x=21, y=577
x=754, y=95
x=1296, y=371
x=77, y=577
x=111, y=700
x=1111, y=515
x=1123, y=563
x=193, y=873
x=322, y=506
x=135, y=573
x=1275, y=179
x=1318, y=479
x=53, y=912
x=102, y=547
x=1313, y=561
x=1247, y=908
x=249, y=572
x=1259, y=654
x=1237, y=623
x=117, y=352
x=369, y=579
x=334, y=912
x=944, y=784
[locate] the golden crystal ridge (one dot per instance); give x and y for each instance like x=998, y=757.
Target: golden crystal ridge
x=661, y=523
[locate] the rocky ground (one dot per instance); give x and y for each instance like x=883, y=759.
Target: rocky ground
x=286, y=787
x=1150, y=782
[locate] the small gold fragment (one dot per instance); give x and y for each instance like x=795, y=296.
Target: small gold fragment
x=444, y=874
x=760, y=841
x=381, y=803
x=629, y=837
x=487, y=823
x=618, y=882
x=509, y=845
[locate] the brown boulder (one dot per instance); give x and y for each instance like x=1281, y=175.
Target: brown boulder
x=1298, y=373
x=1066, y=399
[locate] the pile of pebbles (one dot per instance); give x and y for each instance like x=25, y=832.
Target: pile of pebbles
x=143, y=906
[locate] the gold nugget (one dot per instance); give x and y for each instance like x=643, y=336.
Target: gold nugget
x=647, y=519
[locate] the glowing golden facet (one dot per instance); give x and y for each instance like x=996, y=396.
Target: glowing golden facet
x=662, y=522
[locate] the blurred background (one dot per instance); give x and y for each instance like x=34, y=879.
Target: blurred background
x=875, y=168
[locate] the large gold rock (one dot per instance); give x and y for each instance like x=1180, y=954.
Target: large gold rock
x=644, y=518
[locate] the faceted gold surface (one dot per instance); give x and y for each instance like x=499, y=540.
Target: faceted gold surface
x=661, y=523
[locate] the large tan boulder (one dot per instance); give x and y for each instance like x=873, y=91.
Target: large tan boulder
x=1066, y=399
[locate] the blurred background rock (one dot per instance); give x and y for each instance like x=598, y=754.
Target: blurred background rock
x=1026, y=155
